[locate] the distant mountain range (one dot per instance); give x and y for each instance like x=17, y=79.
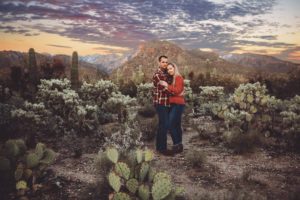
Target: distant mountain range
x=145, y=58
x=262, y=62
x=106, y=63
x=9, y=59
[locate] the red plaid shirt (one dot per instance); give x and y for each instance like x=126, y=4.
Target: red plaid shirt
x=160, y=93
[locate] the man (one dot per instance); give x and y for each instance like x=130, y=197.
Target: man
x=162, y=105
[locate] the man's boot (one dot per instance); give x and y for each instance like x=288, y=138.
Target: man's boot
x=178, y=148
x=167, y=152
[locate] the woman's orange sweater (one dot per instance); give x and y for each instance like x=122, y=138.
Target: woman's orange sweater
x=176, y=89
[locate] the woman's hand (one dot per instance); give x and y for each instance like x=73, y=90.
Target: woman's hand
x=163, y=83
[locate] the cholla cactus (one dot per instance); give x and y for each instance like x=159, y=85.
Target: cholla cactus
x=188, y=93
x=291, y=121
x=97, y=93
x=127, y=137
x=118, y=103
x=144, y=94
x=212, y=100
x=136, y=179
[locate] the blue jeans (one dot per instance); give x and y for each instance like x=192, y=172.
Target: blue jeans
x=163, y=119
x=175, y=123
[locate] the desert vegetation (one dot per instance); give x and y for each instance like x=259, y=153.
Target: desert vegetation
x=80, y=139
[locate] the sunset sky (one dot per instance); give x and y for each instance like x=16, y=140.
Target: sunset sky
x=269, y=27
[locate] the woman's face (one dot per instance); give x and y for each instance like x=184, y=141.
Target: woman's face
x=171, y=70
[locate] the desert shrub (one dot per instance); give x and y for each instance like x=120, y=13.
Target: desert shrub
x=209, y=98
x=195, y=158
x=118, y=103
x=131, y=176
x=188, y=93
x=241, y=142
x=290, y=124
x=127, y=137
x=98, y=93
x=33, y=118
x=21, y=169
x=144, y=93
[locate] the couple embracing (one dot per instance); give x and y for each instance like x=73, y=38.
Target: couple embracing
x=169, y=104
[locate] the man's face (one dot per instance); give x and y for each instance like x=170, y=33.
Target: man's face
x=163, y=63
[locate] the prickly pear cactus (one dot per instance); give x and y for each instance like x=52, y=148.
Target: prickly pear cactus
x=21, y=185
x=144, y=171
x=39, y=150
x=161, y=188
x=136, y=179
x=148, y=155
x=114, y=181
x=123, y=170
x=132, y=185
x=121, y=196
x=32, y=160
x=139, y=156
x=112, y=155
x=161, y=175
x=48, y=156
x=144, y=192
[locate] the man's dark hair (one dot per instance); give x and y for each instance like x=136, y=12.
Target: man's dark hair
x=160, y=57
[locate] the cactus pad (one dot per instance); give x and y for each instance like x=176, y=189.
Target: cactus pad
x=123, y=170
x=144, y=171
x=49, y=157
x=19, y=172
x=11, y=148
x=144, y=192
x=151, y=174
x=21, y=185
x=132, y=185
x=121, y=196
x=112, y=154
x=32, y=160
x=139, y=155
x=114, y=181
x=21, y=144
x=161, y=189
x=39, y=150
x=161, y=175
x=148, y=155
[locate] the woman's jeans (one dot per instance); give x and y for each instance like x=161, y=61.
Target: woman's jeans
x=163, y=118
x=175, y=123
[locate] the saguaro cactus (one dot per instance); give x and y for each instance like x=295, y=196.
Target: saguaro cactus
x=32, y=66
x=74, y=71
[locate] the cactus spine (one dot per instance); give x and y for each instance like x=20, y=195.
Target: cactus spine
x=74, y=71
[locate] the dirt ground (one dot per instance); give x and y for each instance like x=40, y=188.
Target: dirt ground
x=261, y=174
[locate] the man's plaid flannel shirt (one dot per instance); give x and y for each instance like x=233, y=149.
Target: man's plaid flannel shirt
x=160, y=93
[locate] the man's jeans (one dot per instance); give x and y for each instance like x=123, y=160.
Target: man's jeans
x=175, y=123
x=163, y=117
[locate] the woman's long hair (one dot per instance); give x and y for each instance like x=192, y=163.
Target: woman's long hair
x=176, y=72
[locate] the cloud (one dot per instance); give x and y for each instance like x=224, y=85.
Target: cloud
x=292, y=54
x=59, y=46
x=191, y=23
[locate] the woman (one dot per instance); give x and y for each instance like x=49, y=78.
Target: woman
x=177, y=102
